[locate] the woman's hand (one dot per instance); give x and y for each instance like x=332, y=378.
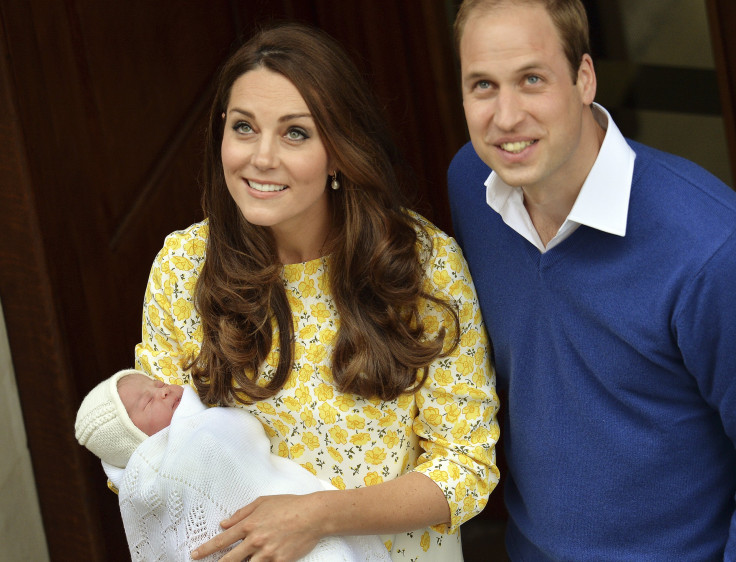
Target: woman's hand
x=282, y=528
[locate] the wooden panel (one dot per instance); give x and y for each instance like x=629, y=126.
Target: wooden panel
x=33, y=329
x=722, y=21
x=106, y=136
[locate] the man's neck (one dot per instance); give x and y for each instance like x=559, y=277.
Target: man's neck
x=549, y=205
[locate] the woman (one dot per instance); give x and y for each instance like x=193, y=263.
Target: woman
x=346, y=324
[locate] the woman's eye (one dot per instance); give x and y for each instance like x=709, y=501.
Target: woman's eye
x=296, y=134
x=242, y=127
x=483, y=84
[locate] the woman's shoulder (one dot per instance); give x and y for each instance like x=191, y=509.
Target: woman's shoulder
x=188, y=244
x=432, y=240
x=196, y=231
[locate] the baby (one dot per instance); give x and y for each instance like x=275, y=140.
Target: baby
x=181, y=467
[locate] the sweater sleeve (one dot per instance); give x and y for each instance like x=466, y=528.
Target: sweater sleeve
x=171, y=331
x=457, y=406
x=705, y=328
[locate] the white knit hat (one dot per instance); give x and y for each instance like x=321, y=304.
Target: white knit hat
x=103, y=424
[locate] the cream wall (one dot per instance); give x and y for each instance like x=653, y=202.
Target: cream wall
x=21, y=530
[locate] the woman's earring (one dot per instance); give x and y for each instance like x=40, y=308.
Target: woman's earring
x=335, y=184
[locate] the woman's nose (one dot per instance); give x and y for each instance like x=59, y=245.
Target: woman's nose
x=264, y=157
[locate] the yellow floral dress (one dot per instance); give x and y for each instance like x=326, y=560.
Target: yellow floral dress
x=447, y=430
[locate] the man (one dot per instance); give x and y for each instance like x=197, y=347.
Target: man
x=606, y=272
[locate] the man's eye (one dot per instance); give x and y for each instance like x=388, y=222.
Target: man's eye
x=483, y=84
x=533, y=79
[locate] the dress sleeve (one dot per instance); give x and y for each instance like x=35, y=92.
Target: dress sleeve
x=457, y=406
x=171, y=331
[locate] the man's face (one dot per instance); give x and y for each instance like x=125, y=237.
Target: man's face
x=150, y=403
x=524, y=113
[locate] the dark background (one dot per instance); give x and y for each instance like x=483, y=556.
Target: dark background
x=102, y=111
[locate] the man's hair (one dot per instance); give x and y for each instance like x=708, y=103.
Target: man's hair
x=568, y=16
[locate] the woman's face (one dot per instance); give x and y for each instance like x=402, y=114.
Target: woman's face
x=274, y=162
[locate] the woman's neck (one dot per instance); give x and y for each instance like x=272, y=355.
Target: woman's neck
x=302, y=245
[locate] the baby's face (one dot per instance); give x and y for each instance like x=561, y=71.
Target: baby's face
x=149, y=403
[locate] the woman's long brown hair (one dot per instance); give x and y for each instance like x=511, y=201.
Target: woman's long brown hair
x=376, y=267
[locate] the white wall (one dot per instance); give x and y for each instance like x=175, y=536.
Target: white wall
x=21, y=530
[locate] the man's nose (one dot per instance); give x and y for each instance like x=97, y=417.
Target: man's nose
x=509, y=110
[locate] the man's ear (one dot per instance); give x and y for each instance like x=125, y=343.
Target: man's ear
x=587, y=83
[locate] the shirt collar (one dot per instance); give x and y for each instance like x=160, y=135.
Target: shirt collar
x=603, y=200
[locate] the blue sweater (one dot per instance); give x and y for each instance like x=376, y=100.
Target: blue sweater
x=617, y=358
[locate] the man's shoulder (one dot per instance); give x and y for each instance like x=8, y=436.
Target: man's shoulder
x=685, y=201
x=672, y=165
x=467, y=166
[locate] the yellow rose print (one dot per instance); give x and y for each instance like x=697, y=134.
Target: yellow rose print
x=280, y=427
x=311, y=267
x=266, y=407
x=292, y=274
x=443, y=377
x=461, y=430
x=441, y=278
x=316, y=353
x=302, y=394
x=307, y=418
x=172, y=243
x=439, y=475
x=344, y=402
x=339, y=435
x=327, y=336
x=452, y=412
x=296, y=450
x=307, y=288
x=327, y=413
x=372, y=412
x=308, y=332
x=472, y=410
x=182, y=263
x=310, y=467
x=320, y=312
x=195, y=247
x=375, y=456
x=287, y=417
x=360, y=439
x=469, y=338
x=355, y=422
x=372, y=478
x=391, y=439
x=388, y=419
x=310, y=440
x=424, y=542
x=433, y=416
x=295, y=303
x=324, y=392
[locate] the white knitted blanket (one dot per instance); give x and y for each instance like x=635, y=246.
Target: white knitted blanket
x=180, y=483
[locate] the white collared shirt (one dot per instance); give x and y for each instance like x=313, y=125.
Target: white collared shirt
x=603, y=201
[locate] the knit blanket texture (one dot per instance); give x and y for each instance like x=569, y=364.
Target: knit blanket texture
x=181, y=482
